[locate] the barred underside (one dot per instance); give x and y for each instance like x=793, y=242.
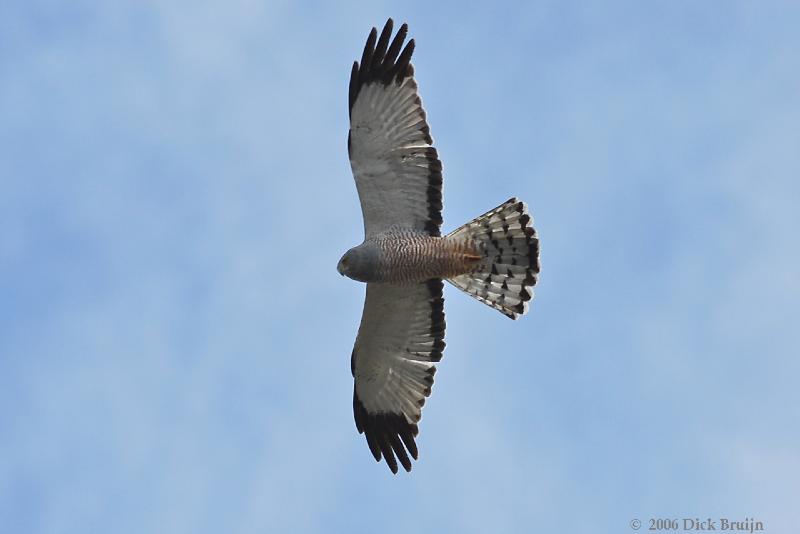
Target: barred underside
x=509, y=269
x=413, y=257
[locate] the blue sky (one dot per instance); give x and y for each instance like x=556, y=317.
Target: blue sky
x=175, y=339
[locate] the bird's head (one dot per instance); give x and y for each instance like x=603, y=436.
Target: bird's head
x=359, y=263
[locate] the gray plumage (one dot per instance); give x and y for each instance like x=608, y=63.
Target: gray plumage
x=403, y=258
x=406, y=256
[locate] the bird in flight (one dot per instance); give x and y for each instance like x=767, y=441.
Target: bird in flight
x=404, y=258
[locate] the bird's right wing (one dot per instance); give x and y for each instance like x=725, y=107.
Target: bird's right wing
x=397, y=171
x=400, y=337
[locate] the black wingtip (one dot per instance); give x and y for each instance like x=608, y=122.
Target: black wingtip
x=383, y=44
x=369, y=48
x=388, y=435
x=380, y=61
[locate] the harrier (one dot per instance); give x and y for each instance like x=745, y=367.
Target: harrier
x=404, y=257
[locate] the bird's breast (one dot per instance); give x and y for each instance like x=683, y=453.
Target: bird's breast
x=410, y=257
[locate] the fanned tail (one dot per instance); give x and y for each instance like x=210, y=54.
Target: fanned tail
x=509, y=268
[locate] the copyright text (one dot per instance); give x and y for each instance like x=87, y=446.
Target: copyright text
x=696, y=524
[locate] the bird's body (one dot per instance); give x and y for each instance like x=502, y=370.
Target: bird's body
x=407, y=256
x=404, y=258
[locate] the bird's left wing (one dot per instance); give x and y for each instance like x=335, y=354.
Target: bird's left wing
x=400, y=337
x=398, y=173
